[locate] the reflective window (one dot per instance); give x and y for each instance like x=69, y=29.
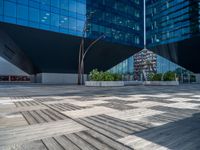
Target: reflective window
x=23, y=2
x=55, y=3
x=35, y=4
x=45, y=4
x=64, y=4
x=80, y=25
x=44, y=17
x=10, y=9
x=55, y=20
x=81, y=8
x=34, y=14
x=1, y=7
x=72, y=6
x=64, y=22
x=72, y=23
x=22, y=12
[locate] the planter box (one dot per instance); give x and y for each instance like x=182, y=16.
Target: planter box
x=104, y=83
x=161, y=83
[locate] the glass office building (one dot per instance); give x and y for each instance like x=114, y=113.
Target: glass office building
x=118, y=20
x=172, y=21
x=173, y=29
x=65, y=16
x=55, y=27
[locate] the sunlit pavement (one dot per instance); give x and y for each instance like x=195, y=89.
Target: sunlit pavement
x=54, y=117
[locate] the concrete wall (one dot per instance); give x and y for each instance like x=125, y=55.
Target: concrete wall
x=57, y=78
x=197, y=78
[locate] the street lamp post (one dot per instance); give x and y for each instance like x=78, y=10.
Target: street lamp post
x=79, y=66
x=81, y=49
x=83, y=52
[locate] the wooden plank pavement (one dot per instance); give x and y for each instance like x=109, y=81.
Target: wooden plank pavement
x=139, y=122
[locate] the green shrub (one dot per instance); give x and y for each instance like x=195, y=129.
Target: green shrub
x=117, y=77
x=169, y=76
x=157, y=77
x=107, y=76
x=150, y=76
x=96, y=75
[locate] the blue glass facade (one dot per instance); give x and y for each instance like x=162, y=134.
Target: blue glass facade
x=119, y=20
x=172, y=20
x=164, y=65
x=169, y=21
x=65, y=16
x=125, y=67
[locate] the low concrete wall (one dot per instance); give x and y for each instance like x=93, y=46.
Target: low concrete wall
x=129, y=83
x=132, y=83
x=161, y=83
x=104, y=83
x=57, y=78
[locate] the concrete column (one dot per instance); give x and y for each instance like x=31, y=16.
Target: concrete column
x=33, y=79
x=197, y=78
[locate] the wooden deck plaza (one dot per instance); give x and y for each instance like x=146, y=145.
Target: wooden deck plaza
x=50, y=117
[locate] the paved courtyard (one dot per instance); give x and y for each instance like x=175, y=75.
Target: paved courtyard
x=41, y=117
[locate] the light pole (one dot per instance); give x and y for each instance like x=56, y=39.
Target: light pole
x=83, y=52
x=81, y=49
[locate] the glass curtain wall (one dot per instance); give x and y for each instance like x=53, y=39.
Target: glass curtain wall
x=162, y=65
x=119, y=20
x=65, y=16
x=172, y=20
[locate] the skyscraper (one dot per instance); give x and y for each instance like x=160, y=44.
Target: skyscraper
x=173, y=31
x=172, y=21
